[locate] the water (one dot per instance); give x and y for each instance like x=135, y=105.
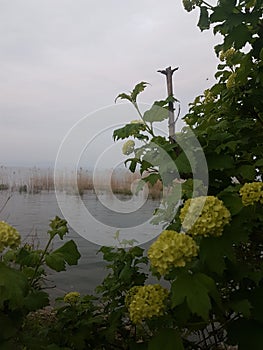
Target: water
x=30, y=214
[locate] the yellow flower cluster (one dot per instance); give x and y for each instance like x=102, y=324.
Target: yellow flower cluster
x=9, y=236
x=227, y=55
x=171, y=249
x=252, y=193
x=128, y=147
x=231, y=81
x=71, y=298
x=209, y=97
x=130, y=294
x=204, y=216
x=145, y=302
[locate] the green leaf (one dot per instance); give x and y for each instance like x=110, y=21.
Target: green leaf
x=166, y=339
x=195, y=290
x=238, y=230
x=9, y=327
x=214, y=250
x=247, y=172
x=223, y=11
x=145, y=165
x=232, y=145
x=240, y=35
x=204, y=22
x=136, y=251
x=125, y=273
x=165, y=103
x=13, y=287
x=183, y=164
x=132, y=129
x=155, y=114
x=68, y=253
x=241, y=306
x=123, y=96
x=28, y=258
x=134, y=93
x=231, y=200
x=219, y=162
x=133, y=163
x=210, y=285
x=36, y=300
x=152, y=178
x=137, y=90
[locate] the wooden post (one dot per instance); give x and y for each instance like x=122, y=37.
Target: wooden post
x=169, y=80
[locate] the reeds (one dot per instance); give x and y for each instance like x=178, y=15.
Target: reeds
x=35, y=180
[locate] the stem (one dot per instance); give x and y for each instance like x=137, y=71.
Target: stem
x=141, y=116
x=41, y=259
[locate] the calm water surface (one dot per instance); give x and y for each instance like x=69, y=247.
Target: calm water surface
x=30, y=214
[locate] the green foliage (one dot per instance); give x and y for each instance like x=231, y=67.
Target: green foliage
x=125, y=273
x=22, y=270
x=217, y=287
x=13, y=286
x=215, y=294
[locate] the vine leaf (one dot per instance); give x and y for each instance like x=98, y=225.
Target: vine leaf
x=37, y=299
x=13, y=287
x=155, y=114
x=68, y=253
x=213, y=251
x=241, y=306
x=195, y=289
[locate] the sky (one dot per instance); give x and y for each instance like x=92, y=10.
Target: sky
x=63, y=61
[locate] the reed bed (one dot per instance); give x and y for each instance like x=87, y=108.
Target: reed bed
x=35, y=180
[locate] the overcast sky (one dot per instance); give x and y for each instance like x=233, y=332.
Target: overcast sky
x=64, y=59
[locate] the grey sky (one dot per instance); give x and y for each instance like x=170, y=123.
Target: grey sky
x=63, y=59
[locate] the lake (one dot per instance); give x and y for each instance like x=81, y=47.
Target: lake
x=30, y=214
